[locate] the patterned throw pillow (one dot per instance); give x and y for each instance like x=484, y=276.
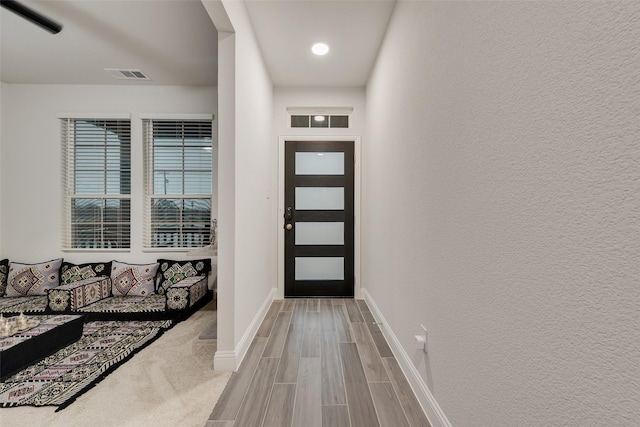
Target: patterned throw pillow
x=70, y=273
x=33, y=279
x=4, y=273
x=133, y=279
x=172, y=271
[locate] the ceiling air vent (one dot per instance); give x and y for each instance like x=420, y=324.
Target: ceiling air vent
x=126, y=74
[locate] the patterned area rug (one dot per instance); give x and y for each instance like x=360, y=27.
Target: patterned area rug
x=61, y=377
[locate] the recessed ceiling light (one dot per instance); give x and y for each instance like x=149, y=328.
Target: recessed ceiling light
x=320, y=49
x=318, y=118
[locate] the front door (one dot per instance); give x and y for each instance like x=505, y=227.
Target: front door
x=319, y=219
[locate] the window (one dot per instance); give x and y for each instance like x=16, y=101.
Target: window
x=319, y=121
x=96, y=157
x=178, y=176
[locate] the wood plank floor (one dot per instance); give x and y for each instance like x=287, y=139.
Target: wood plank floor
x=318, y=363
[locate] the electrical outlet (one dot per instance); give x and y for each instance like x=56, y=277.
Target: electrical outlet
x=422, y=339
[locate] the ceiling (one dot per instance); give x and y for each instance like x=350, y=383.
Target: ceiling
x=175, y=43
x=286, y=30
x=172, y=42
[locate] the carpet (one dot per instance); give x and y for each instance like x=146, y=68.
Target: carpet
x=211, y=331
x=169, y=383
x=60, y=378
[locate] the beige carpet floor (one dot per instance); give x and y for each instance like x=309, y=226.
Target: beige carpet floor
x=169, y=383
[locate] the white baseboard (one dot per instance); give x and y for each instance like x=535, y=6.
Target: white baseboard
x=231, y=360
x=224, y=361
x=434, y=413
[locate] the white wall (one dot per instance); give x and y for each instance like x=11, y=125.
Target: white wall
x=318, y=97
x=501, y=206
x=247, y=211
x=30, y=165
x=226, y=207
x=311, y=97
x=2, y=132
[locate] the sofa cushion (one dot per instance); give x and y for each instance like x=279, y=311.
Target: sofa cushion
x=186, y=293
x=129, y=307
x=172, y=271
x=133, y=279
x=4, y=273
x=33, y=279
x=70, y=273
x=23, y=304
x=78, y=294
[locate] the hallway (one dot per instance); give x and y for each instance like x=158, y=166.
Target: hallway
x=318, y=363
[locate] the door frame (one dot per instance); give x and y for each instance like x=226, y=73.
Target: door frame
x=356, y=205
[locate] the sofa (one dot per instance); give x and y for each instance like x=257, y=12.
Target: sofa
x=114, y=290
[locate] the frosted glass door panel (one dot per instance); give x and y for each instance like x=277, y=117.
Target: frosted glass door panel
x=320, y=233
x=320, y=198
x=319, y=268
x=319, y=163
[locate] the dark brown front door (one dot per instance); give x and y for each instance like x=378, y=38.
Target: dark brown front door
x=319, y=219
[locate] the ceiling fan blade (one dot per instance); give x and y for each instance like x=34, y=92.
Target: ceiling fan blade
x=31, y=15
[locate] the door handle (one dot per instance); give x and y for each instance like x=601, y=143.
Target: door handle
x=288, y=217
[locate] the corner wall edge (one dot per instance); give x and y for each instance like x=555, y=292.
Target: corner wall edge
x=231, y=360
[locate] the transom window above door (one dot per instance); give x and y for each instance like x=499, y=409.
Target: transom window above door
x=319, y=117
x=319, y=121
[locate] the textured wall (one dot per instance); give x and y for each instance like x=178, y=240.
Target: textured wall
x=502, y=206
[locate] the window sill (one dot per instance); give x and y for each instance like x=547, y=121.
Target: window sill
x=170, y=249
x=123, y=250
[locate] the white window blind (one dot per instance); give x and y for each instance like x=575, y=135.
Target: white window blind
x=178, y=179
x=96, y=174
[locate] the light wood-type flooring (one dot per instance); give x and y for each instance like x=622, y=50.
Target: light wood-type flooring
x=318, y=363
